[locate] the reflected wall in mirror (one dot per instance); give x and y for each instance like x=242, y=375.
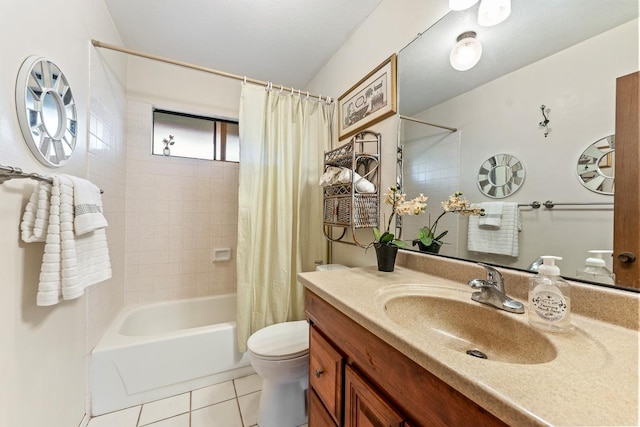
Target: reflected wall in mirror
x=565, y=55
x=596, y=166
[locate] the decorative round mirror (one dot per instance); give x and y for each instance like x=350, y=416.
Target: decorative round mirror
x=596, y=166
x=500, y=176
x=46, y=111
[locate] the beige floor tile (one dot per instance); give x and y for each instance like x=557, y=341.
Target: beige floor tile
x=179, y=421
x=249, y=404
x=225, y=414
x=165, y=408
x=124, y=418
x=248, y=384
x=211, y=395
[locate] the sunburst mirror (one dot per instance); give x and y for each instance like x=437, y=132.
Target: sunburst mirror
x=46, y=111
x=500, y=176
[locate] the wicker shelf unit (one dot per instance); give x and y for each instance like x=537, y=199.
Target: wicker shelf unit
x=344, y=207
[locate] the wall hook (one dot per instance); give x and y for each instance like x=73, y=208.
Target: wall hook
x=545, y=123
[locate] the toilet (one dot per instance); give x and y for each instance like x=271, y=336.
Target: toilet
x=280, y=355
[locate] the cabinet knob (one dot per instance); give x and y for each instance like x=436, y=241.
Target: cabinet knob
x=319, y=372
x=626, y=257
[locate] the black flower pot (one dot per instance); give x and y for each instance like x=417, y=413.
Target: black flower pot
x=434, y=248
x=386, y=255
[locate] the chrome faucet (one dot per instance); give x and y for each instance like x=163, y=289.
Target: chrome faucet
x=492, y=292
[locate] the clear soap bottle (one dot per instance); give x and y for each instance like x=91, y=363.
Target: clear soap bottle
x=550, y=298
x=595, y=268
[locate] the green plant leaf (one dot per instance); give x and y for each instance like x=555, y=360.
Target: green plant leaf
x=399, y=243
x=376, y=234
x=386, y=237
x=441, y=235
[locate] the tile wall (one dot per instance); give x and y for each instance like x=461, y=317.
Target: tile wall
x=177, y=211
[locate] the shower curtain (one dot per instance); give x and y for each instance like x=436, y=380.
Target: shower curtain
x=282, y=140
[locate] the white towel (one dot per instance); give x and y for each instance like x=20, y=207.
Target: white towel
x=492, y=218
x=361, y=184
x=502, y=241
x=71, y=262
x=36, y=214
x=87, y=206
x=329, y=176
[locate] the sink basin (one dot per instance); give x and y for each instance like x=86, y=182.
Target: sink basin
x=450, y=318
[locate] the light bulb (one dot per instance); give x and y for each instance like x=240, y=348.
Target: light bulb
x=461, y=4
x=466, y=53
x=493, y=12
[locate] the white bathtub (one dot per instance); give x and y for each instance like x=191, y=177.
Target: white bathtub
x=157, y=350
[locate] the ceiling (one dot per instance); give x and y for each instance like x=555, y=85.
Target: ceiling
x=283, y=41
x=534, y=30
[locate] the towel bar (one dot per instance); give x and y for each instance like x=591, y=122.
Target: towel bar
x=10, y=172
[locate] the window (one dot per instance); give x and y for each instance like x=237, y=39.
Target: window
x=195, y=136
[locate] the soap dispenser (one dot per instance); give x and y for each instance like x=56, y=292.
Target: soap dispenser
x=595, y=269
x=549, y=298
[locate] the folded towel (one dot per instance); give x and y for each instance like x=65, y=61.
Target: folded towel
x=71, y=262
x=492, y=215
x=87, y=208
x=36, y=214
x=362, y=185
x=329, y=176
x=502, y=241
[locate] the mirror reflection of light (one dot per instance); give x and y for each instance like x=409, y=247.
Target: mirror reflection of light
x=493, y=12
x=466, y=53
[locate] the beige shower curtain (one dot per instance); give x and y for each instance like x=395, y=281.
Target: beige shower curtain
x=282, y=140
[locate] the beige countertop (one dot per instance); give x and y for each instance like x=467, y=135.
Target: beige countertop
x=593, y=380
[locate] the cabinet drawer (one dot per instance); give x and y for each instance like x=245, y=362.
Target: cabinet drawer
x=326, y=373
x=318, y=415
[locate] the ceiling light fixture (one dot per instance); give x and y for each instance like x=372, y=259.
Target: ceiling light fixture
x=493, y=12
x=461, y=4
x=466, y=53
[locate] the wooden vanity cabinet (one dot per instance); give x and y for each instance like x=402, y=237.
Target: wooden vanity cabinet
x=370, y=383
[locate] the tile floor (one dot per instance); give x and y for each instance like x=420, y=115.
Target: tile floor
x=229, y=404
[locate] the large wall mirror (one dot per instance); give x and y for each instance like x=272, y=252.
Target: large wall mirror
x=565, y=55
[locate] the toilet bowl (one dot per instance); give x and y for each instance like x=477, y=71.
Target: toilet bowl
x=280, y=355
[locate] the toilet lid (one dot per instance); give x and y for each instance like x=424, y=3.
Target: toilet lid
x=282, y=340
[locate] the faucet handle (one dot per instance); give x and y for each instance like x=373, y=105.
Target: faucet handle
x=493, y=276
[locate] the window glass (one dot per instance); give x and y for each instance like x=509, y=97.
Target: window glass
x=186, y=135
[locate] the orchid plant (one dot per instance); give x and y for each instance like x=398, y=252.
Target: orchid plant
x=455, y=203
x=399, y=206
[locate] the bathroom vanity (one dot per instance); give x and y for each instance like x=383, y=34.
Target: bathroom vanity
x=390, y=349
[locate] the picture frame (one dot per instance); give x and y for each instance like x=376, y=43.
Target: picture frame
x=369, y=101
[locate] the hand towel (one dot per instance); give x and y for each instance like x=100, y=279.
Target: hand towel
x=87, y=208
x=492, y=218
x=36, y=214
x=502, y=241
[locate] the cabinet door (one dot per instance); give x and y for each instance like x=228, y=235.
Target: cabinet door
x=325, y=374
x=364, y=407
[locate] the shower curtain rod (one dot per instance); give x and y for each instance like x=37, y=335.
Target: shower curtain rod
x=268, y=85
x=411, y=119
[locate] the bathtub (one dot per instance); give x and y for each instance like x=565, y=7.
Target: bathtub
x=157, y=350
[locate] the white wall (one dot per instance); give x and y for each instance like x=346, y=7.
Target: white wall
x=388, y=29
x=578, y=86
x=43, y=349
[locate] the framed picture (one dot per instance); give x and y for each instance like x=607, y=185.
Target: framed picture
x=370, y=100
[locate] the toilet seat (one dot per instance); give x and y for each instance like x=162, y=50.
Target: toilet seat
x=282, y=341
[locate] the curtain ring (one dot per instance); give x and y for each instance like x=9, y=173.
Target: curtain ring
x=245, y=79
x=291, y=90
x=281, y=88
x=307, y=94
x=298, y=92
